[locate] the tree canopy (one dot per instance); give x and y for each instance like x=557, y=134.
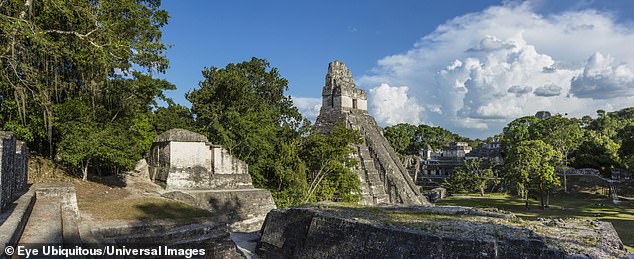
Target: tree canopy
x=243, y=107
x=530, y=165
x=473, y=175
x=74, y=79
x=409, y=139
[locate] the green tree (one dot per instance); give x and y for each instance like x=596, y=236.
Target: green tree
x=519, y=130
x=530, y=165
x=53, y=50
x=329, y=162
x=564, y=135
x=597, y=151
x=474, y=175
x=243, y=107
x=408, y=139
x=110, y=133
x=626, y=135
x=173, y=116
x=626, y=152
x=400, y=137
x=605, y=124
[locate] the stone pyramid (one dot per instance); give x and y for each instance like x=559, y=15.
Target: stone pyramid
x=383, y=177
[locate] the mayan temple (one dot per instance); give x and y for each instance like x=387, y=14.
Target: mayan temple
x=383, y=177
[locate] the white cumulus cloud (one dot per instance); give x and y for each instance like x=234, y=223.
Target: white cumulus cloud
x=548, y=90
x=519, y=90
x=603, y=79
x=307, y=106
x=392, y=105
x=479, y=68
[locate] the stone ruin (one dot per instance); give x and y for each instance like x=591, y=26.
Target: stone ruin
x=13, y=168
x=328, y=230
x=194, y=171
x=543, y=115
x=383, y=177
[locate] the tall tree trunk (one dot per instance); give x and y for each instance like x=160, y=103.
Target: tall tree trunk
x=565, y=172
x=49, y=129
x=84, y=170
x=541, y=196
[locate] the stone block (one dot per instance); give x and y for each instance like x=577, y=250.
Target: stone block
x=244, y=210
x=335, y=231
x=21, y=168
x=184, y=160
x=7, y=154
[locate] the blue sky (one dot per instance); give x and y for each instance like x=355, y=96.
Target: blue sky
x=398, y=50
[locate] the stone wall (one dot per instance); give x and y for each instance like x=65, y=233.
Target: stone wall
x=190, y=154
x=21, y=168
x=13, y=168
x=184, y=160
x=224, y=163
x=7, y=162
x=194, y=171
x=244, y=209
x=325, y=231
x=383, y=177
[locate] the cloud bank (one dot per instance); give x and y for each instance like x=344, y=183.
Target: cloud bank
x=477, y=72
x=388, y=103
x=309, y=107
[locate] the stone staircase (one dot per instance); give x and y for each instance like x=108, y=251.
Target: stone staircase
x=371, y=182
x=383, y=177
x=54, y=218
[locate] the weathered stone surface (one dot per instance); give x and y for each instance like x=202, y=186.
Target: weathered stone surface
x=211, y=236
x=7, y=164
x=543, y=115
x=331, y=231
x=383, y=177
x=245, y=210
x=180, y=135
x=14, y=218
x=194, y=171
x=55, y=216
x=20, y=168
x=184, y=160
x=436, y=194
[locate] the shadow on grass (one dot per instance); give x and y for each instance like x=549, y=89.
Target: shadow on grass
x=115, y=181
x=169, y=210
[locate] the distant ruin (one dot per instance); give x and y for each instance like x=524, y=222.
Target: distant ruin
x=383, y=177
x=430, y=167
x=543, y=115
x=194, y=171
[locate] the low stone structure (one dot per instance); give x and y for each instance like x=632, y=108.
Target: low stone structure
x=194, y=171
x=430, y=167
x=181, y=159
x=383, y=177
x=543, y=115
x=13, y=168
x=332, y=231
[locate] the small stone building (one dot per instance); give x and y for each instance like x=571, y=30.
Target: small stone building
x=181, y=159
x=13, y=168
x=194, y=171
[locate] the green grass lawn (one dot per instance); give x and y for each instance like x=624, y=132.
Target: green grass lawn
x=583, y=205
